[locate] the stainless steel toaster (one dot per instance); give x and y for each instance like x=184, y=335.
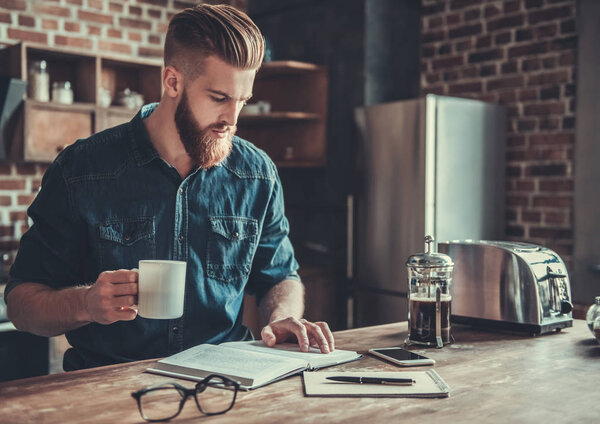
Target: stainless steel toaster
x=509, y=285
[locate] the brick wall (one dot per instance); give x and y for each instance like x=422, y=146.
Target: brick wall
x=520, y=53
x=129, y=28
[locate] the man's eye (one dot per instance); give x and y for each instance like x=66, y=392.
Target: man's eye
x=219, y=99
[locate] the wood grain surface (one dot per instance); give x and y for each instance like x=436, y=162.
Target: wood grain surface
x=494, y=378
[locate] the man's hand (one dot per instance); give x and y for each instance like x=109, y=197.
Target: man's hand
x=112, y=297
x=307, y=333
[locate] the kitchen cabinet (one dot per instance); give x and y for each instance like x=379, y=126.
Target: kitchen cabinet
x=293, y=131
x=45, y=128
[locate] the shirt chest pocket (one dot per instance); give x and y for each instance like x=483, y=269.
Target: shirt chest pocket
x=231, y=245
x=123, y=242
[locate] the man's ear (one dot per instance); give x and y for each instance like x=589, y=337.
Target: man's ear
x=172, y=81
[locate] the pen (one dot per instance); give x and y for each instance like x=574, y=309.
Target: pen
x=374, y=380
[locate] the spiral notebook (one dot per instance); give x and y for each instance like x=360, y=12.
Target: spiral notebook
x=428, y=384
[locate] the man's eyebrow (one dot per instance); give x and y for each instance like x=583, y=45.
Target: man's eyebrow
x=223, y=94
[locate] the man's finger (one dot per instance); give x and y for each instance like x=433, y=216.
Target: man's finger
x=316, y=332
x=121, y=276
x=125, y=289
x=268, y=337
x=328, y=334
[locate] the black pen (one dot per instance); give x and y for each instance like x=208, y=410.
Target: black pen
x=374, y=380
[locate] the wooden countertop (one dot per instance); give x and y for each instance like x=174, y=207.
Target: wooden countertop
x=494, y=377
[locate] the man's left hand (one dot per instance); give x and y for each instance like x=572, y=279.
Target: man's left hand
x=307, y=333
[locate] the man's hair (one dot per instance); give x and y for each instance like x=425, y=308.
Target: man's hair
x=204, y=30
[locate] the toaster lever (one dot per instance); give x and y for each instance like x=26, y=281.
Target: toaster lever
x=565, y=307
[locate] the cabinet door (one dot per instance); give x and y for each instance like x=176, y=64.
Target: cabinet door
x=49, y=129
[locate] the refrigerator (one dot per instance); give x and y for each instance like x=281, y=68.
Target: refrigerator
x=428, y=166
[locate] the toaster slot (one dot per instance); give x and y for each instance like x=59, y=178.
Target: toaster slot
x=554, y=293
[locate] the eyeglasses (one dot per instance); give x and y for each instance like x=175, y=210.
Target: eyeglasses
x=161, y=402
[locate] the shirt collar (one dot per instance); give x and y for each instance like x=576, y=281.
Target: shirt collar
x=141, y=146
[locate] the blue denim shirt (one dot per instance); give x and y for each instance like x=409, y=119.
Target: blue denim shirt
x=109, y=201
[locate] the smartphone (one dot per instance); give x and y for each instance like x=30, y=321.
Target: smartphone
x=401, y=356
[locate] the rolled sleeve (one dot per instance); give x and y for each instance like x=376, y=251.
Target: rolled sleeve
x=50, y=251
x=274, y=260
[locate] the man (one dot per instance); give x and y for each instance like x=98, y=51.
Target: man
x=174, y=183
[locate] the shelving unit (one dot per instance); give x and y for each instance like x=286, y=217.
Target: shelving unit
x=293, y=133
x=47, y=127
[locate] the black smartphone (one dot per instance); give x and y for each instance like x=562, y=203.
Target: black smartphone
x=401, y=356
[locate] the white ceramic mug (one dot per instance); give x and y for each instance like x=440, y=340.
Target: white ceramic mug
x=161, y=289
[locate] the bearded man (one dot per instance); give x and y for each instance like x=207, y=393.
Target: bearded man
x=174, y=183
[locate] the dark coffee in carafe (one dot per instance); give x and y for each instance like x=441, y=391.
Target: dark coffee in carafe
x=422, y=316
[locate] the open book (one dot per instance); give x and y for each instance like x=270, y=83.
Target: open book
x=251, y=363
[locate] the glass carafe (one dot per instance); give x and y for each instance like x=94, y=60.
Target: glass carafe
x=429, y=298
x=593, y=313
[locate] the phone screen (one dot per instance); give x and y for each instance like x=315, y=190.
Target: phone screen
x=400, y=354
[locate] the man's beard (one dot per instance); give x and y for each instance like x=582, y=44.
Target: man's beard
x=205, y=151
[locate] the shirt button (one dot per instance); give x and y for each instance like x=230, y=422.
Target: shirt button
x=127, y=238
x=175, y=329
x=236, y=234
x=180, y=238
x=180, y=191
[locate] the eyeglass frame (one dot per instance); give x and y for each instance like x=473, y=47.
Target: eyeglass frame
x=185, y=394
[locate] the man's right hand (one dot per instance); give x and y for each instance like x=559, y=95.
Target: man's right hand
x=113, y=297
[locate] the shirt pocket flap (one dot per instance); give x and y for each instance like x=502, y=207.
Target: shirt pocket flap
x=127, y=231
x=234, y=228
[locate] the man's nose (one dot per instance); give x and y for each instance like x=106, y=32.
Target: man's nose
x=231, y=112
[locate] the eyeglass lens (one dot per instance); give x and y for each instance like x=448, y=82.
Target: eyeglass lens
x=161, y=403
x=214, y=399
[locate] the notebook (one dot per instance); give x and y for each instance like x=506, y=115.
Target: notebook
x=428, y=384
x=251, y=363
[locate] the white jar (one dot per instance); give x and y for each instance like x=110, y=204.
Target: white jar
x=39, y=81
x=62, y=93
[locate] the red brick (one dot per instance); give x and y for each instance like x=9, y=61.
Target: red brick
x=26, y=169
x=564, y=43
x=470, y=72
x=9, y=245
x=556, y=108
x=447, y=62
x=150, y=52
x=525, y=185
x=552, y=92
x=7, y=231
x=512, y=6
x=5, y=201
x=12, y=184
x=95, y=4
x=524, y=34
x=465, y=30
x=72, y=26
x=488, y=70
x=548, y=124
x=463, y=45
x=530, y=4
x=503, y=38
x=517, y=200
x=450, y=75
x=510, y=215
x=556, y=185
x=552, y=139
x=162, y=3
x=432, y=36
x=485, y=55
x=484, y=41
x=531, y=216
x=550, y=14
x=539, y=154
x=50, y=9
x=545, y=31
x=134, y=36
x=530, y=64
x=526, y=125
x=551, y=233
x=154, y=39
x=439, y=89
x=548, y=170
x=528, y=49
x=95, y=17
x=505, y=22
x=26, y=20
x=568, y=122
x=568, y=26
x=75, y=2
x=491, y=11
x=554, y=217
x=157, y=14
x=566, y=59
x=18, y=216
x=18, y=34
x=115, y=7
x=13, y=4
x=162, y=27
x=25, y=200
x=553, y=201
x=461, y=4
x=469, y=87
x=432, y=9
x=5, y=168
x=549, y=62
x=94, y=30
x=452, y=19
x=516, y=140
x=135, y=23
x=545, y=78
x=114, y=47
x=135, y=11
x=5, y=18
x=505, y=82
x=528, y=94
x=114, y=33
x=62, y=40
x=472, y=14
x=509, y=67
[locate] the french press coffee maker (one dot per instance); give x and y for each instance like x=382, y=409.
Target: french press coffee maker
x=429, y=298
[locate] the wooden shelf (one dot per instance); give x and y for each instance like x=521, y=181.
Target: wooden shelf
x=293, y=135
x=45, y=127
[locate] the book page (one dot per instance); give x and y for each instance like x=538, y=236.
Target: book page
x=427, y=384
x=234, y=362
x=313, y=357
